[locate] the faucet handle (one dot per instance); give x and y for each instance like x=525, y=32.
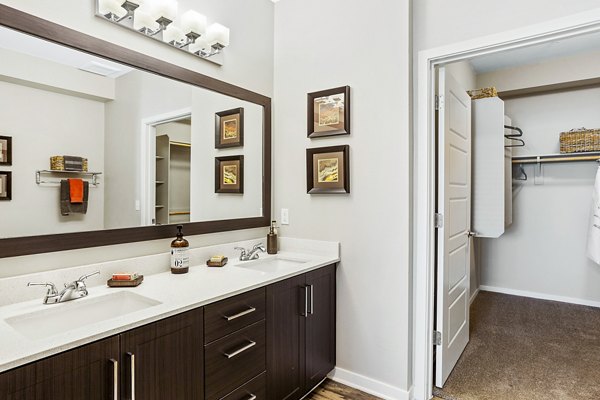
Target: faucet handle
x=51, y=287
x=84, y=277
x=243, y=250
x=258, y=246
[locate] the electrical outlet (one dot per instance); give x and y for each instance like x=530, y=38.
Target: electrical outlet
x=285, y=216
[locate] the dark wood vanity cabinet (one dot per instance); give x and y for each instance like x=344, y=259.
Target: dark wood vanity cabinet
x=300, y=333
x=273, y=343
x=84, y=373
x=164, y=359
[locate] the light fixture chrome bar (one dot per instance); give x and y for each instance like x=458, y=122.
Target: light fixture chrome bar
x=214, y=54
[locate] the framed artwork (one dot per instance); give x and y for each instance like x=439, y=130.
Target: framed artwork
x=5, y=185
x=229, y=174
x=229, y=128
x=5, y=150
x=328, y=170
x=329, y=112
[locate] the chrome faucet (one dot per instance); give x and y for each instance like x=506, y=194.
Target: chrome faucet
x=72, y=291
x=247, y=255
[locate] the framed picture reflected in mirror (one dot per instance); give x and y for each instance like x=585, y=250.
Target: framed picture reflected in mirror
x=229, y=174
x=229, y=128
x=5, y=185
x=5, y=150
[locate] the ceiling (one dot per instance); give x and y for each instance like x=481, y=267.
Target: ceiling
x=22, y=43
x=536, y=53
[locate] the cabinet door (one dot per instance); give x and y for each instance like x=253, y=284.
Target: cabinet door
x=83, y=373
x=286, y=304
x=164, y=360
x=320, y=325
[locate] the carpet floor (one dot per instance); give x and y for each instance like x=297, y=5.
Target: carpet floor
x=528, y=349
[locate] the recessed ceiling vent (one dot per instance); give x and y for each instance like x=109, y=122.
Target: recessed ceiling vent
x=99, y=69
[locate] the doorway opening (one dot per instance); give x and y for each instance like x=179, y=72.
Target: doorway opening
x=444, y=249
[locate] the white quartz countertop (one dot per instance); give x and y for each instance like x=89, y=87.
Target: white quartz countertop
x=175, y=294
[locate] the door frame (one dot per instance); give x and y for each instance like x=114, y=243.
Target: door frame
x=148, y=160
x=424, y=176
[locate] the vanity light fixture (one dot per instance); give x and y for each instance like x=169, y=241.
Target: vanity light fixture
x=159, y=19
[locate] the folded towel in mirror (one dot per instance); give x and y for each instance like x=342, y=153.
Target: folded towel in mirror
x=66, y=206
x=76, y=190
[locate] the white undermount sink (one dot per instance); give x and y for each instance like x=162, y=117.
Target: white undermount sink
x=58, y=318
x=272, y=265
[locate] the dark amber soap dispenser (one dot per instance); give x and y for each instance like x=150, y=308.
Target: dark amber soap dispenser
x=272, y=239
x=180, y=253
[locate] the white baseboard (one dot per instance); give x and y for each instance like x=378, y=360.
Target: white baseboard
x=369, y=385
x=474, y=295
x=542, y=296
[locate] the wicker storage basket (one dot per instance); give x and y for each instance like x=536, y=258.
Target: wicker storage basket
x=580, y=140
x=483, y=93
x=57, y=163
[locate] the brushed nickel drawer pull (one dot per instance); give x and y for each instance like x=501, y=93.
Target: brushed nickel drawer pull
x=305, y=315
x=132, y=365
x=241, y=314
x=240, y=350
x=252, y=397
x=115, y=365
x=312, y=308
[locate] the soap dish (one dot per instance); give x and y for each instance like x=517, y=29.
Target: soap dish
x=122, y=283
x=217, y=264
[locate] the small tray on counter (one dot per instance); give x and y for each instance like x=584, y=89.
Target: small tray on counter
x=125, y=283
x=217, y=264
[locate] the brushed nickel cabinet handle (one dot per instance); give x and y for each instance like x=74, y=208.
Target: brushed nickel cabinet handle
x=312, y=309
x=132, y=366
x=240, y=350
x=252, y=397
x=240, y=314
x=115, y=365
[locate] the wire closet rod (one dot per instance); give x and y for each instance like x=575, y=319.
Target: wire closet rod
x=557, y=158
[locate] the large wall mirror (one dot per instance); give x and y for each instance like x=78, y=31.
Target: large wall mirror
x=139, y=144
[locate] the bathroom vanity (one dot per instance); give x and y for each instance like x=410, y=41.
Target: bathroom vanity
x=262, y=329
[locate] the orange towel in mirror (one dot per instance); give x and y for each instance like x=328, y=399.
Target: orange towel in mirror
x=76, y=190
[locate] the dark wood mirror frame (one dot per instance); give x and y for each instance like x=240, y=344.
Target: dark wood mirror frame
x=31, y=25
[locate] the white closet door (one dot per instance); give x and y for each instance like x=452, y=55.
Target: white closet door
x=454, y=202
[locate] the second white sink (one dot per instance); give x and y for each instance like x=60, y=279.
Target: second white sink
x=272, y=265
x=58, y=318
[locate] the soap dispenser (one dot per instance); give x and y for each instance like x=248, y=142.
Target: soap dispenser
x=180, y=253
x=272, y=239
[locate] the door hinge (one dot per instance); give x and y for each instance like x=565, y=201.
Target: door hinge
x=439, y=102
x=437, y=338
x=438, y=221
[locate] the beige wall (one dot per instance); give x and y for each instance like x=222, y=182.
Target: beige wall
x=43, y=124
x=315, y=51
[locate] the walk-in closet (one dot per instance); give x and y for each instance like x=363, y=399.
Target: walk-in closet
x=518, y=234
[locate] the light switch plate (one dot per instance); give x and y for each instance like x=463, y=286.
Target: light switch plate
x=285, y=216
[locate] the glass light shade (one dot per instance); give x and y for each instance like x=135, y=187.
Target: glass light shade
x=199, y=45
x=142, y=19
x=218, y=33
x=164, y=9
x=173, y=34
x=192, y=21
x=111, y=6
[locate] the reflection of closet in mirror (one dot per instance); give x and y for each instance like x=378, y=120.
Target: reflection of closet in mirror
x=173, y=155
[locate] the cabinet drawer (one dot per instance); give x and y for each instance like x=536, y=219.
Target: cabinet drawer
x=256, y=389
x=234, y=360
x=230, y=315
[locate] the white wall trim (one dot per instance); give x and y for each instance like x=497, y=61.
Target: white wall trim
x=424, y=166
x=148, y=160
x=369, y=385
x=541, y=296
x=474, y=295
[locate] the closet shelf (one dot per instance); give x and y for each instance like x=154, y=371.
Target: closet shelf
x=160, y=182
x=557, y=158
x=50, y=172
x=179, y=213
